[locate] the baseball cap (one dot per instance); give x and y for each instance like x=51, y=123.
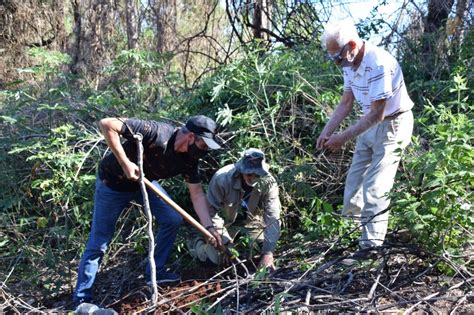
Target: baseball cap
x=252, y=162
x=204, y=127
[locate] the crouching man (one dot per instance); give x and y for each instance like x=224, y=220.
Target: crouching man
x=246, y=196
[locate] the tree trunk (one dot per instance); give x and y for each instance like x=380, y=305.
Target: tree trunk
x=257, y=19
x=131, y=15
x=438, y=11
x=434, y=37
x=93, y=45
x=459, y=24
x=261, y=19
x=27, y=24
x=165, y=19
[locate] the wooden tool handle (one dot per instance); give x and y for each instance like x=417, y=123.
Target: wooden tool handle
x=178, y=209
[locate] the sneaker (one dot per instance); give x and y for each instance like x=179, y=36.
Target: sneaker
x=79, y=301
x=88, y=308
x=165, y=277
x=85, y=308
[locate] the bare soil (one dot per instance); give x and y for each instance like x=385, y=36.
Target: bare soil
x=311, y=277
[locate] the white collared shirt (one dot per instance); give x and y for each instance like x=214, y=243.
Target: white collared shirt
x=379, y=76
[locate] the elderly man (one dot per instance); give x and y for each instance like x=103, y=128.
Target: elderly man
x=245, y=192
x=374, y=79
x=168, y=151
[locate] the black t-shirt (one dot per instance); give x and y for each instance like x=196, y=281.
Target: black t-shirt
x=159, y=157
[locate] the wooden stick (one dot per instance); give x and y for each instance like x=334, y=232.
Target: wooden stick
x=146, y=206
x=178, y=209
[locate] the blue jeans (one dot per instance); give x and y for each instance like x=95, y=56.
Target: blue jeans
x=108, y=205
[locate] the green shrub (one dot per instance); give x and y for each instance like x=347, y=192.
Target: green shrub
x=435, y=197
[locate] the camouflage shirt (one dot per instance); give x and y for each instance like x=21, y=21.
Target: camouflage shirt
x=160, y=160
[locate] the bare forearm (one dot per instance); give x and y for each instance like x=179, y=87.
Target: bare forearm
x=201, y=207
x=339, y=114
x=365, y=123
x=374, y=117
x=110, y=128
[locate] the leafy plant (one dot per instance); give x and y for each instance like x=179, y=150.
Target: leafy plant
x=436, y=200
x=60, y=185
x=203, y=308
x=49, y=63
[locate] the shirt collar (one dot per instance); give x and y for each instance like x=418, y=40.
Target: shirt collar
x=236, y=175
x=361, y=69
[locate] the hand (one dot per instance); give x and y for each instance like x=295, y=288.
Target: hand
x=334, y=143
x=267, y=261
x=215, y=241
x=131, y=170
x=321, y=141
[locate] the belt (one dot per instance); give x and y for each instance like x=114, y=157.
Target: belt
x=393, y=116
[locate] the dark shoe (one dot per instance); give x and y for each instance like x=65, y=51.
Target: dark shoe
x=165, y=277
x=361, y=254
x=366, y=253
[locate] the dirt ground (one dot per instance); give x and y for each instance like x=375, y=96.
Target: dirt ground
x=315, y=277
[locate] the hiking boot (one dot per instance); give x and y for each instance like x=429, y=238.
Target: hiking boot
x=165, y=277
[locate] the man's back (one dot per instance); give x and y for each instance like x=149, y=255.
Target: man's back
x=159, y=161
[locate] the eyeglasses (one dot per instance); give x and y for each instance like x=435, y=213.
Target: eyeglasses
x=337, y=57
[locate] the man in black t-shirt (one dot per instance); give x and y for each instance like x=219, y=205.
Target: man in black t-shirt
x=168, y=151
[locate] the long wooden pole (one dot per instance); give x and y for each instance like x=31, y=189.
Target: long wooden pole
x=178, y=209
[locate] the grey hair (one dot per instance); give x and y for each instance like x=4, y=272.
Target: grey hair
x=342, y=32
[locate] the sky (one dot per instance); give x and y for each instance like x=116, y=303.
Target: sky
x=359, y=10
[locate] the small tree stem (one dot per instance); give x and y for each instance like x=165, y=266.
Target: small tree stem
x=146, y=206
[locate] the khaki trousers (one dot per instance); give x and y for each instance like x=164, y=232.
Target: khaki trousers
x=203, y=251
x=371, y=176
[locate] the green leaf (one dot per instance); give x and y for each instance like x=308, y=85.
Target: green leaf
x=419, y=226
x=41, y=222
x=234, y=253
x=8, y=120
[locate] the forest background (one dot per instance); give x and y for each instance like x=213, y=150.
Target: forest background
x=257, y=67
